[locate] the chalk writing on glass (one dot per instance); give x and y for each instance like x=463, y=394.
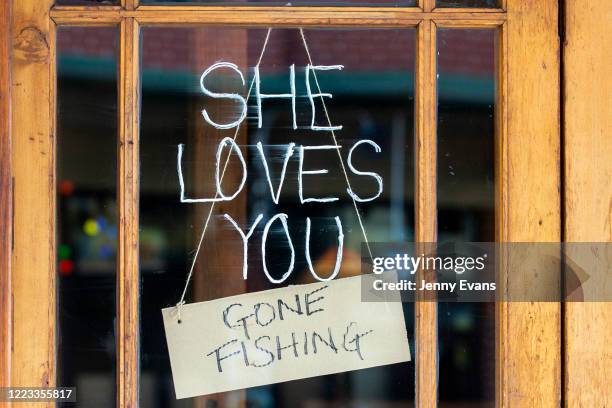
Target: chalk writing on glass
x=233, y=96
x=281, y=220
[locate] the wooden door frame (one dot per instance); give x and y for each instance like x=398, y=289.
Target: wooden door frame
x=528, y=141
x=588, y=192
x=33, y=149
x=6, y=189
x=529, y=333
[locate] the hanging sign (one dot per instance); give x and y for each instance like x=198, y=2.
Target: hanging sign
x=281, y=335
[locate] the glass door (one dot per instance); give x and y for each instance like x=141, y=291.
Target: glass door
x=422, y=121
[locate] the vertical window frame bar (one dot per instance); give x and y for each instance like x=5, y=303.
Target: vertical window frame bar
x=426, y=320
x=128, y=200
x=427, y=5
x=33, y=261
x=130, y=4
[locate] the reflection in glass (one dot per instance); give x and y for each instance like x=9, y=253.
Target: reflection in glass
x=372, y=99
x=466, y=205
x=87, y=212
x=467, y=3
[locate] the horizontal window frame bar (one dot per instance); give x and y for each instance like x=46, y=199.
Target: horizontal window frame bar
x=275, y=16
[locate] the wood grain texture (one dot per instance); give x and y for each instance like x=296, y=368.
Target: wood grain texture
x=468, y=23
x=450, y=10
x=427, y=5
x=529, y=334
x=266, y=16
x=129, y=4
x=128, y=194
x=33, y=119
x=6, y=191
x=588, y=192
x=426, y=311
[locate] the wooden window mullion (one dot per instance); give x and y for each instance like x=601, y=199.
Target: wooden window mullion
x=427, y=5
x=426, y=320
x=127, y=261
x=129, y=4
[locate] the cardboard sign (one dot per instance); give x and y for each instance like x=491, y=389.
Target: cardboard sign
x=281, y=335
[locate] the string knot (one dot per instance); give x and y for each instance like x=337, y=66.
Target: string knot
x=179, y=307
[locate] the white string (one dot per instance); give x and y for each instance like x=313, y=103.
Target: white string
x=348, y=183
x=212, y=206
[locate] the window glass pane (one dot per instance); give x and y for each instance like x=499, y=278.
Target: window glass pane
x=402, y=3
x=87, y=212
x=373, y=98
x=466, y=205
x=467, y=3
